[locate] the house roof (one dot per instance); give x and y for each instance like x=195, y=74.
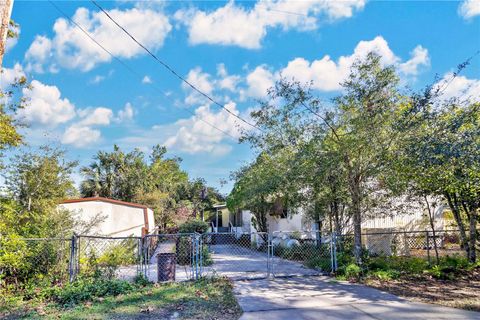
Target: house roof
x=102, y=199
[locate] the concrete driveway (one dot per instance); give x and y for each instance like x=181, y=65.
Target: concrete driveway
x=323, y=298
x=238, y=263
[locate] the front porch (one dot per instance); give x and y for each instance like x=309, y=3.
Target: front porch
x=224, y=221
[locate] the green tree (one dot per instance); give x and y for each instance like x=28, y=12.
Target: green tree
x=116, y=175
x=344, y=143
x=10, y=101
x=439, y=155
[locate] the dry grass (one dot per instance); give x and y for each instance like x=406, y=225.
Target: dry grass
x=463, y=292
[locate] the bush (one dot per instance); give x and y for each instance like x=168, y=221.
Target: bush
x=448, y=267
x=321, y=263
x=353, y=271
x=87, y=289
x=192, y=226
x=386, y=274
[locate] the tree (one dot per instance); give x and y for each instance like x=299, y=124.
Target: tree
x=158, y=182
x=35, y=182
x=352, y=137
x=439, y=155
x=116, y=175
x=262, y=187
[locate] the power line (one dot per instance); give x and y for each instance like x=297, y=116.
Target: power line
x=128, y=67
x=171, y=70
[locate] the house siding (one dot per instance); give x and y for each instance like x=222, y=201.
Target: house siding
x=119, y=220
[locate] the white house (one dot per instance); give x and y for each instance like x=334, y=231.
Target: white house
x=116, y=218
x=414, y=219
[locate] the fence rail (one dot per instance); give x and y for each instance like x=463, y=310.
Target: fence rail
x=161, y=257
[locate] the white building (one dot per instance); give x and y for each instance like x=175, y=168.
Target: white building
x=116, y=218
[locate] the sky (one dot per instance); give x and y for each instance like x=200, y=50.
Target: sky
x=84, y=100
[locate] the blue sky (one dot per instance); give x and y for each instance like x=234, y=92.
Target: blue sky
x=85, y=101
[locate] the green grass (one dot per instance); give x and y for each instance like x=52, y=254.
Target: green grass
x=203, y=299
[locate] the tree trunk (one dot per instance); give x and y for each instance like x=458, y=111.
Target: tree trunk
x=472, y=255
x=431, y=219
x=357, y=219
x=452, y=203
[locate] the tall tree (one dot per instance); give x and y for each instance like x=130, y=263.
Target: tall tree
x=352, y=136
x=36, y=181
x=439, y=155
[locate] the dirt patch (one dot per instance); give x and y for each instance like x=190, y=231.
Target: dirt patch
x=463, y=292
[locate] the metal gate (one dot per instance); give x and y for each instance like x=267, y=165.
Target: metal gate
x=237, y=256
x=302, y=253
x=171, y=257
x=181, y=257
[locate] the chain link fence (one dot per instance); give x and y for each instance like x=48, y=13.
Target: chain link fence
x=111, y=257
x=23, y=260
x=171, y=257
x=301, y=253
x=181, y=257
x=422, y=244
x=235, y=255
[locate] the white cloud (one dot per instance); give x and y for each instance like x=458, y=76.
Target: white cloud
x=207, y=83
x=97, y=79
x=196, y=136
x=39, y=53
x=70, y=48
x=460, y=87
x=99, y=116
x=226, y=81
x=10, y=75
x=235, y=25
x=126, y=114
x=258, y=82
x=469, y=9
x=193, y=135
x=80, y=136
x=201, y=81
x=146, y=80
x=327, y=74
x=45, y=106
x=81, y=133
x=419, y=57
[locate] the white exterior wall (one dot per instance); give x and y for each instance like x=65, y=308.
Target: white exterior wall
x=295, y=222
x=291, y=223
x=119, y=220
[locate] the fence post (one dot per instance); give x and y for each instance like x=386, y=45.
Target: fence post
x=427, y=238
x=332, y=254
x=72, y=264
x=269, y=255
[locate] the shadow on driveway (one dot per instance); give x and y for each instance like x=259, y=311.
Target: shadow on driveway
x=322, y=298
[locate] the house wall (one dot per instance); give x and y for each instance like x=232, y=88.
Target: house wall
x=295, y=222
x=291, y=223
x=417, y=219
x=118, y=220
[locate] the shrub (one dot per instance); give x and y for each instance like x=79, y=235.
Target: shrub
x=192, y=226
x=87, y=289
x=386, y=274
x=353, y=271
x=322, y=263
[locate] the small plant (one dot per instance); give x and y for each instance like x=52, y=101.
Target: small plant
x=353, y=271
x=87, y=289
x=141, y=280
x=386, y=274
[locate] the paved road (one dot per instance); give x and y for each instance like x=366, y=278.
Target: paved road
x=305, y=298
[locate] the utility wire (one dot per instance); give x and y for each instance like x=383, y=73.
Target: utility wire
x=128, y=67
x=171, y=70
